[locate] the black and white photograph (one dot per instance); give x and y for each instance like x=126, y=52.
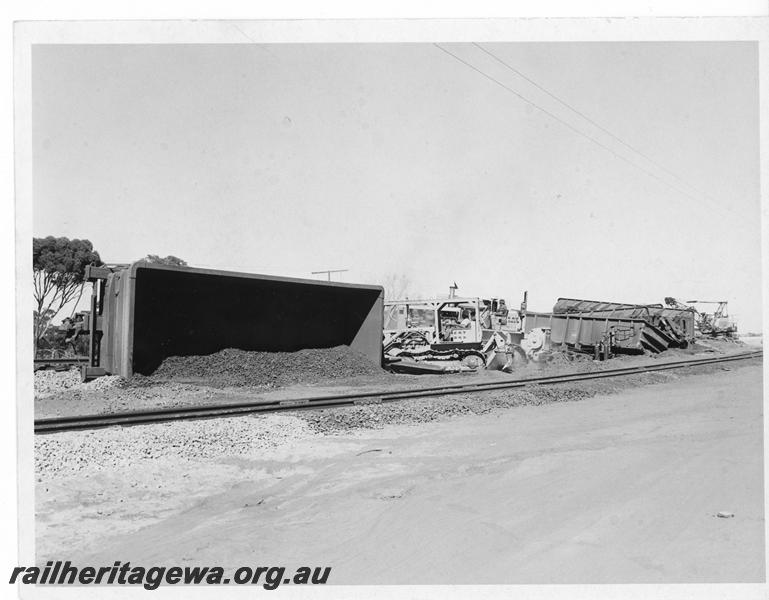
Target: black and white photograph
x=430, y=303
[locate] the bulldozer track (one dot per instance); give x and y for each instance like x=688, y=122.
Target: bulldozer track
x=139, y=417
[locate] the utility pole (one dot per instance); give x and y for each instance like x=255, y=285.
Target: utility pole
x=328, y=272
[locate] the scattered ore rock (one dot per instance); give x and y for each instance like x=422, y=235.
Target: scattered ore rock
x=48, y=383
x=55, y=383
x=240, y=368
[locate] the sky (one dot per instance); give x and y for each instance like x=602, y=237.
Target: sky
x=401, y=159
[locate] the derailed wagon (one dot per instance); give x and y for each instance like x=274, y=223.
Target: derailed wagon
x=143, y=313
x=602, y=336
x=678, y=324
x=608, y=328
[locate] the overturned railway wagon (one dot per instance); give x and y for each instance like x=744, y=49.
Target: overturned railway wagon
x=676, y=323
x=621, y=335
x=615, y=327
x=143, y=313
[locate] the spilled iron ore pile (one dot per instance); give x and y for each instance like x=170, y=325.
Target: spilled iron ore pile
x=241, y=368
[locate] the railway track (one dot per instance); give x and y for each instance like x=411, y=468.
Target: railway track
x=60, y=424
x=60, y=363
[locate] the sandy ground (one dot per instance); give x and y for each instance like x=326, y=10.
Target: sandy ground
x=620, y=488
x=753, y=340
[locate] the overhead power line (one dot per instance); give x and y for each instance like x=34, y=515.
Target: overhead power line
x=591, y=121
x=570, y=126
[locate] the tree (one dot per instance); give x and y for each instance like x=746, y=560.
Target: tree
x=43, y=322
x=396, y=286
x=168, y=260
x=59, y=266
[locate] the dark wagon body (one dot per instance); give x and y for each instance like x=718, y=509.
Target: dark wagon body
x=145, y=313
x=681, y=321
x=627, y=328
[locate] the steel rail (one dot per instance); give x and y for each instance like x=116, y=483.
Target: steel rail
x=75, y=360
x=93, y=421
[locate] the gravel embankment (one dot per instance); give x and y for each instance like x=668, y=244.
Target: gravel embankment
x=375, y=416
x=63, y=454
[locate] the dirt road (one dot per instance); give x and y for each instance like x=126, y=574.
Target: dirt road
x=621, y=488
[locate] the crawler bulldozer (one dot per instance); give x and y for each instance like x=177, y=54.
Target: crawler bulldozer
x=452, y=334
